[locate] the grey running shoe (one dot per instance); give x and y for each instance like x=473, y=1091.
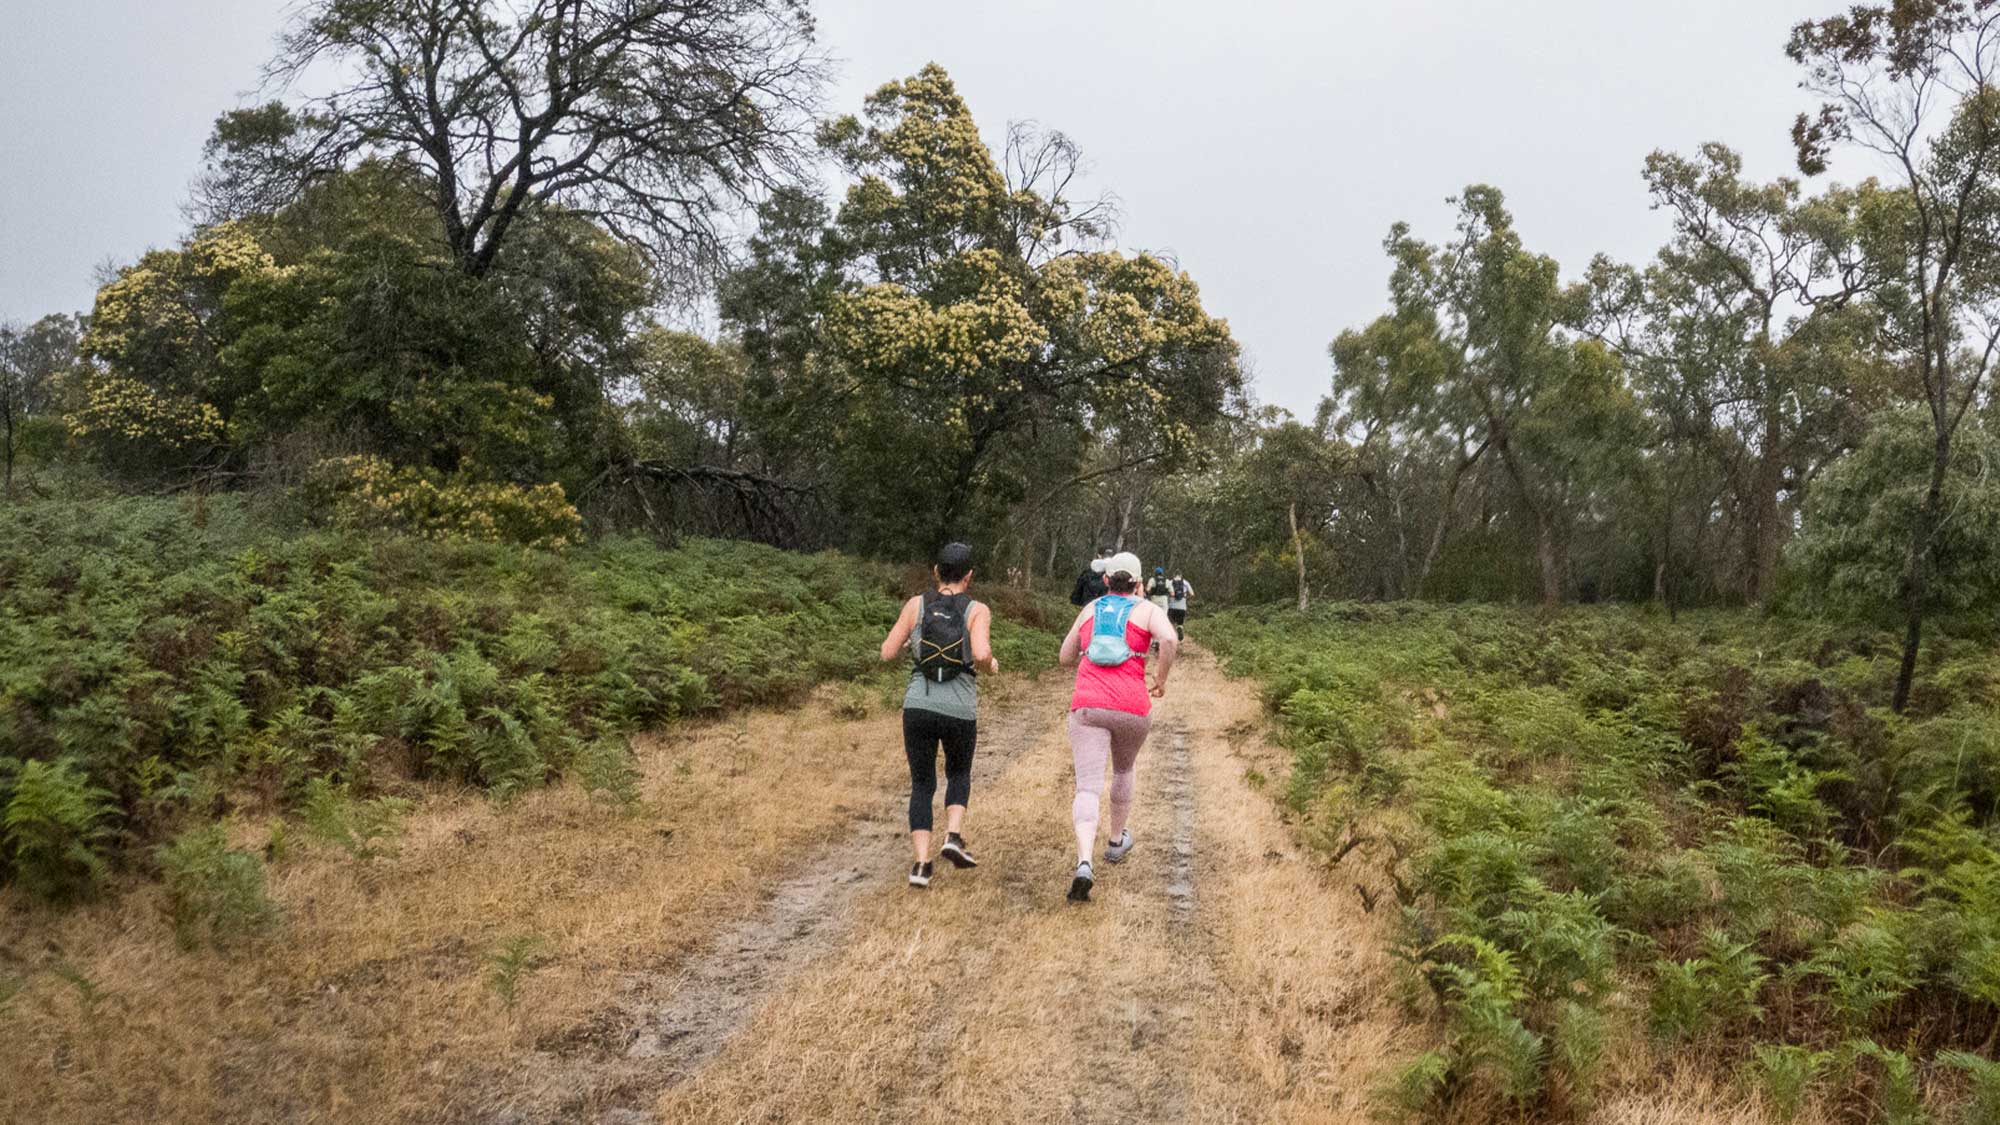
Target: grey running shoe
x=920, y=874
x=1116, y=850
x=1079, y=887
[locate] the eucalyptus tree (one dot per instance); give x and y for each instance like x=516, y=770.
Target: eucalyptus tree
x=1475, y=351
x=1742, y=338
x=33, y=360
x=1743, y=295
x=1911, y=82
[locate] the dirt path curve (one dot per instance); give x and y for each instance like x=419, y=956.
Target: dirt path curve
x=1217, y=975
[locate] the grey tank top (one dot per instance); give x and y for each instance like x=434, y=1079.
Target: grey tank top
x=957, y=697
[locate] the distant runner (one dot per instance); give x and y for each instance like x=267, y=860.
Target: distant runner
x=1109, y=708
x=1177, y=603
x=1090, y=584
x=948, y=635
x=1158, y=590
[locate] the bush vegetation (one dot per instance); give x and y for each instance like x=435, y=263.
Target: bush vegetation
x=164, y=662
x=1715, y=833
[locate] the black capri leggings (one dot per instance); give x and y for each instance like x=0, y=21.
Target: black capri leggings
x=923, y=731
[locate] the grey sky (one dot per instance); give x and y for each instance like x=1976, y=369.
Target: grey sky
x=1267, y=145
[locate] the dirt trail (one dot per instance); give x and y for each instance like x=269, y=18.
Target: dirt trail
x=667, y=1021
x=1217, y=975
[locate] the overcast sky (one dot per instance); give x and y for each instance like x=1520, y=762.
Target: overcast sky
x=1266, y=144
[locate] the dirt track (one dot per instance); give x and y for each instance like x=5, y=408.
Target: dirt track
x=1217, y=975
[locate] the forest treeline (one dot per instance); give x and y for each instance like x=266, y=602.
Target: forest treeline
x=441, y=298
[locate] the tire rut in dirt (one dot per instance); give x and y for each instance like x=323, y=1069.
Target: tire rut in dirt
x=664, y=1025
x=1179, y=789
x=1141, y=1079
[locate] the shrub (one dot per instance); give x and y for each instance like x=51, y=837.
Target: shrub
x=56, y=831
x=213, y=890
x=368, y=492
x=132, y=427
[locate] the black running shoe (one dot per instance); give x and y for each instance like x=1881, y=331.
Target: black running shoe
x=920, y=874
x=954, y=850
x=1079, y=886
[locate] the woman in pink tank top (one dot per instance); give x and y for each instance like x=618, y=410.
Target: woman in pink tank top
x=1108, y=714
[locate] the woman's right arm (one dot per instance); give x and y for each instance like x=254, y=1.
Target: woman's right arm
x=1072, y=645
x=899, y=636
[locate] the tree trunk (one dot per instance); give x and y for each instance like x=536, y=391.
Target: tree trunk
x=1661, y=589
x=1916, y=575
x=1551, y=561
x=1464, y=466
x=1402, y=582
x=9, y=413
x=1545, y=530
x=1298, y=552
x=1761, y=549
x=1437, y=535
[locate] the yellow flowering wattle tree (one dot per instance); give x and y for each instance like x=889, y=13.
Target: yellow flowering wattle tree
x=157, y=333
x=955, y=329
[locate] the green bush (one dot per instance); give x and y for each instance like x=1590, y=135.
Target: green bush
x=213, y=891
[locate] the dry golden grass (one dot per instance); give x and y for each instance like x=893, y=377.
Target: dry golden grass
x=986, y=999
x=370, y=1003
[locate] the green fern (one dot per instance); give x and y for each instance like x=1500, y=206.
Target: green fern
x=213, y=890
x=510, y=963
x=56, y=829
x=605, y=768
x=1787, y=1074
x=1983, y=1105
x=366, y=829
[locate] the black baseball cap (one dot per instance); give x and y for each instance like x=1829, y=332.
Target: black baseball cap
x=955, y=554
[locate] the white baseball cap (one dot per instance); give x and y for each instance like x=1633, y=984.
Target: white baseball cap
x=1124, y=562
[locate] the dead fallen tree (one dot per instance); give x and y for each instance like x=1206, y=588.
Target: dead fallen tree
x=670, y=501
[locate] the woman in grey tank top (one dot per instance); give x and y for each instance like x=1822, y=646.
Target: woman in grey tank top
x=941, y=704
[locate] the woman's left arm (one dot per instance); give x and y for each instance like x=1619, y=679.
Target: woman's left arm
x=982, y=639
x=1162, y=628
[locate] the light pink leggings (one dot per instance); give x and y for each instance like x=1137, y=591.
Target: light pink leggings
x=1097, y=733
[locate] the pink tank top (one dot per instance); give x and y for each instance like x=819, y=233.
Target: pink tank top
x=1117, y=689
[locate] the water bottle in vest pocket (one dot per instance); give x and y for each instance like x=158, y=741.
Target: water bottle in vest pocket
x=1107, y=648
